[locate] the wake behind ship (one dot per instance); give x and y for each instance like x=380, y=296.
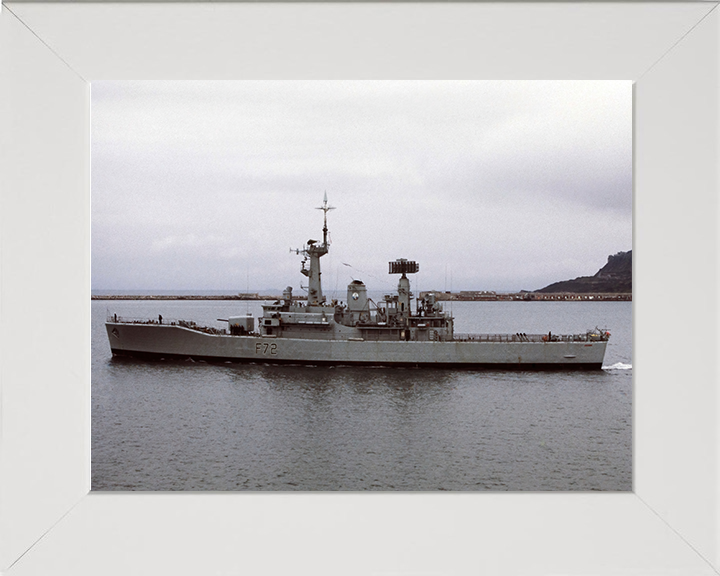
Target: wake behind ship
x=361, y=332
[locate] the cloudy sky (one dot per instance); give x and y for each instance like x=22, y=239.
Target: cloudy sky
x=488, y=185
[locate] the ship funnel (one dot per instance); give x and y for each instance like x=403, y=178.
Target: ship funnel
x=357, y=296
x=357, y=301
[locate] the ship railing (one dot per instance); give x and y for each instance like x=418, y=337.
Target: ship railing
x=143, y=320
x=522, y=337
x=165, y=322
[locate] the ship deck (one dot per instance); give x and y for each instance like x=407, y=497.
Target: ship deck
x=598, y=336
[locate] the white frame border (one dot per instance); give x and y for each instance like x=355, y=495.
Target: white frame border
x=49, y=522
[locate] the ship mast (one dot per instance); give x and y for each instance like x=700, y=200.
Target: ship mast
x=314, y=252
x=325, y=208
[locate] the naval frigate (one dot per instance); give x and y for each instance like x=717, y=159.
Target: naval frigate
x=359, y=332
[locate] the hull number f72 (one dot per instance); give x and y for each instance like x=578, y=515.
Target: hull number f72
x=266, y=348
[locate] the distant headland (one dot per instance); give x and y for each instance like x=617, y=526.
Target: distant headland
x=613, y=278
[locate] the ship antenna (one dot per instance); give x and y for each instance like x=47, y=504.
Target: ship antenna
x=325, y=208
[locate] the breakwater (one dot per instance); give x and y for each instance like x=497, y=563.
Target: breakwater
x=188, y=297
x=488, y=296
x=465, y=296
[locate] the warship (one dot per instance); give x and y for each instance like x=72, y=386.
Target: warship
x=359, y=332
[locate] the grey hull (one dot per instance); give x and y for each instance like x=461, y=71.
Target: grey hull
x=168, y=341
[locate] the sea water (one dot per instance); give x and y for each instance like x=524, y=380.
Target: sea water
x=183, y=425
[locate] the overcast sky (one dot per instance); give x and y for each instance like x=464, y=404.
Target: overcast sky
x=488, y=185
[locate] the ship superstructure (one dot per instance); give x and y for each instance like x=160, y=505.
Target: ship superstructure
x=357, y=331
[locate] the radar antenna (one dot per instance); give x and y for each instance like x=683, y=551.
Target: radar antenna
x=403, y=266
